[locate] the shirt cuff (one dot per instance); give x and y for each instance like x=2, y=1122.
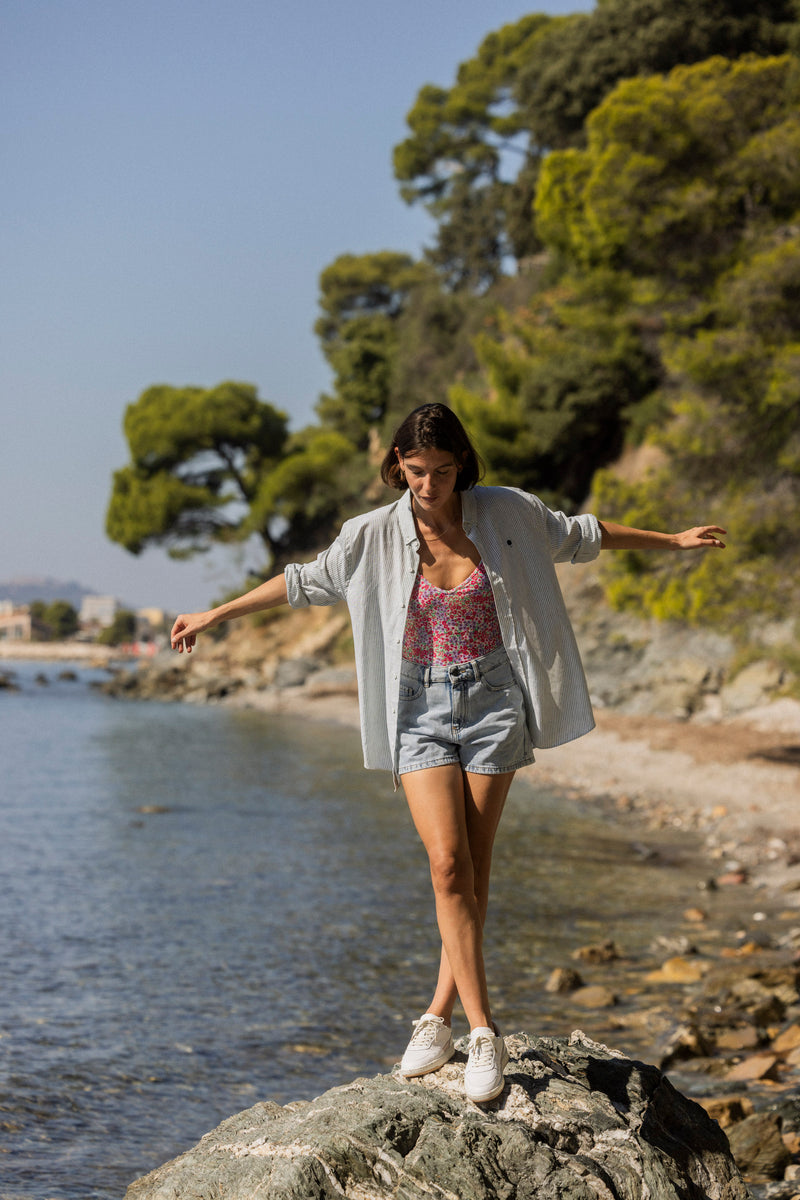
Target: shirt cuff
x=294, y=589
x=591, y=538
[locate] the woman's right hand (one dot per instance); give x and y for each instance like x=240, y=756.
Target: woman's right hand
x=186, y=628
x=188, y=625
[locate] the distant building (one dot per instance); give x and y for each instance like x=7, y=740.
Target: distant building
x=150, y=621
x=98, y=611
x=16, y=625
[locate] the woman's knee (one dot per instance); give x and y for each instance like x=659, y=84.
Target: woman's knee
x=452, y=872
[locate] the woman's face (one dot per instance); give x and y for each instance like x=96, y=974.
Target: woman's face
x=431, y=475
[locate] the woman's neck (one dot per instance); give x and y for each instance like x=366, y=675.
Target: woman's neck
x=437, y=525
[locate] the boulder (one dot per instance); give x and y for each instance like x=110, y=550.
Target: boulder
x=576, y=1121
x=759, y=1147
x=333, y=681
x=293, y=672
x=755, y=685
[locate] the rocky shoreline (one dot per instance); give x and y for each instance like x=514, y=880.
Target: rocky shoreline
x=681, y=743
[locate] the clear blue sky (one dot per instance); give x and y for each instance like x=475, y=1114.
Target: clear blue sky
x=175, y=175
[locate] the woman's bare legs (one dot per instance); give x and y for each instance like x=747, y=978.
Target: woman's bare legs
x=456, y=814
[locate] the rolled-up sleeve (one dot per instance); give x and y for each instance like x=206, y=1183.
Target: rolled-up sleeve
x=322, y=581
x=573, y=539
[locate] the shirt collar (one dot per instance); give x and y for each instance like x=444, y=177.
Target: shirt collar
x=406, y=517
x=468, y=509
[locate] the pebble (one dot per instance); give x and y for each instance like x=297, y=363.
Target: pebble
x=743, y=1038
x=594, y=996
x=563, y=979
x=603, y=952
x=732, y=879
x=679, y=970
x=727, y=1110
x=788, y=1040
x=740, y=951
x=757, y=1066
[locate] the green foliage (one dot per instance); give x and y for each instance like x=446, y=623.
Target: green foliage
x=676, y=168
x=689, y=183
x=62, y=619
x=356, y=285
x=576, y=62
x=198, y=457
x=319, y=480
x=561, y=375
x=121, y=630
x=471, y=160
x=56, y=621
x=756, y=576
x=474, y=150
x=218, y=465
x=362, y=297
x=436, y=338
x=732, y=449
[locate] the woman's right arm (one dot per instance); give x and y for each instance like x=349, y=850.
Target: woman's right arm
x=188, y=625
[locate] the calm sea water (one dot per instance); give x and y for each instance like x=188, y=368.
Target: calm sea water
x=202, y=908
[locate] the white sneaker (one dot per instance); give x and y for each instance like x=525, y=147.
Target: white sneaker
x=488, y=1057
x=431, y=1046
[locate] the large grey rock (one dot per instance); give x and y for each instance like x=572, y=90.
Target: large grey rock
x=755, y=685
x=576, y=1121
x=293, y=672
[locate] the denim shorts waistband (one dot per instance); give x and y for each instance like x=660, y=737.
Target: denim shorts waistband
x=441, y=672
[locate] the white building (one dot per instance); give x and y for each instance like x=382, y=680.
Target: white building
x=16, y=624
x=98, y=611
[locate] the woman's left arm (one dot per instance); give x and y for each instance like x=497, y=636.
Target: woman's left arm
x=622, y=537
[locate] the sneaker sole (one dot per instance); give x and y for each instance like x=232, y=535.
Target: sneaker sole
x=443, y=1058
x=484, y=1098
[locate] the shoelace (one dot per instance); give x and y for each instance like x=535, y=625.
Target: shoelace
x=424, y=1033
x=481, y=1051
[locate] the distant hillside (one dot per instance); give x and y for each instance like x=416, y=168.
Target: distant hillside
x=43, y=587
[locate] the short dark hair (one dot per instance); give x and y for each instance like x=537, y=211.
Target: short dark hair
x=432, y=427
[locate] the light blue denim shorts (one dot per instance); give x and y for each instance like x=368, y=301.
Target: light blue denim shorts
x=470, y=713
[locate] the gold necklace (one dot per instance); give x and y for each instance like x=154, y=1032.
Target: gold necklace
x=436, y=537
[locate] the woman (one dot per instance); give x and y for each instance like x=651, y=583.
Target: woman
x=466, y=661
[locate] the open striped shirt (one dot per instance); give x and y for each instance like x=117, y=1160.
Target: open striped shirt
x=373, y=564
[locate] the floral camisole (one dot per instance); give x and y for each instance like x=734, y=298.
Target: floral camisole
x=451, y=626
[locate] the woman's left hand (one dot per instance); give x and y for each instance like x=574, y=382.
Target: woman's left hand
x=700, y=538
